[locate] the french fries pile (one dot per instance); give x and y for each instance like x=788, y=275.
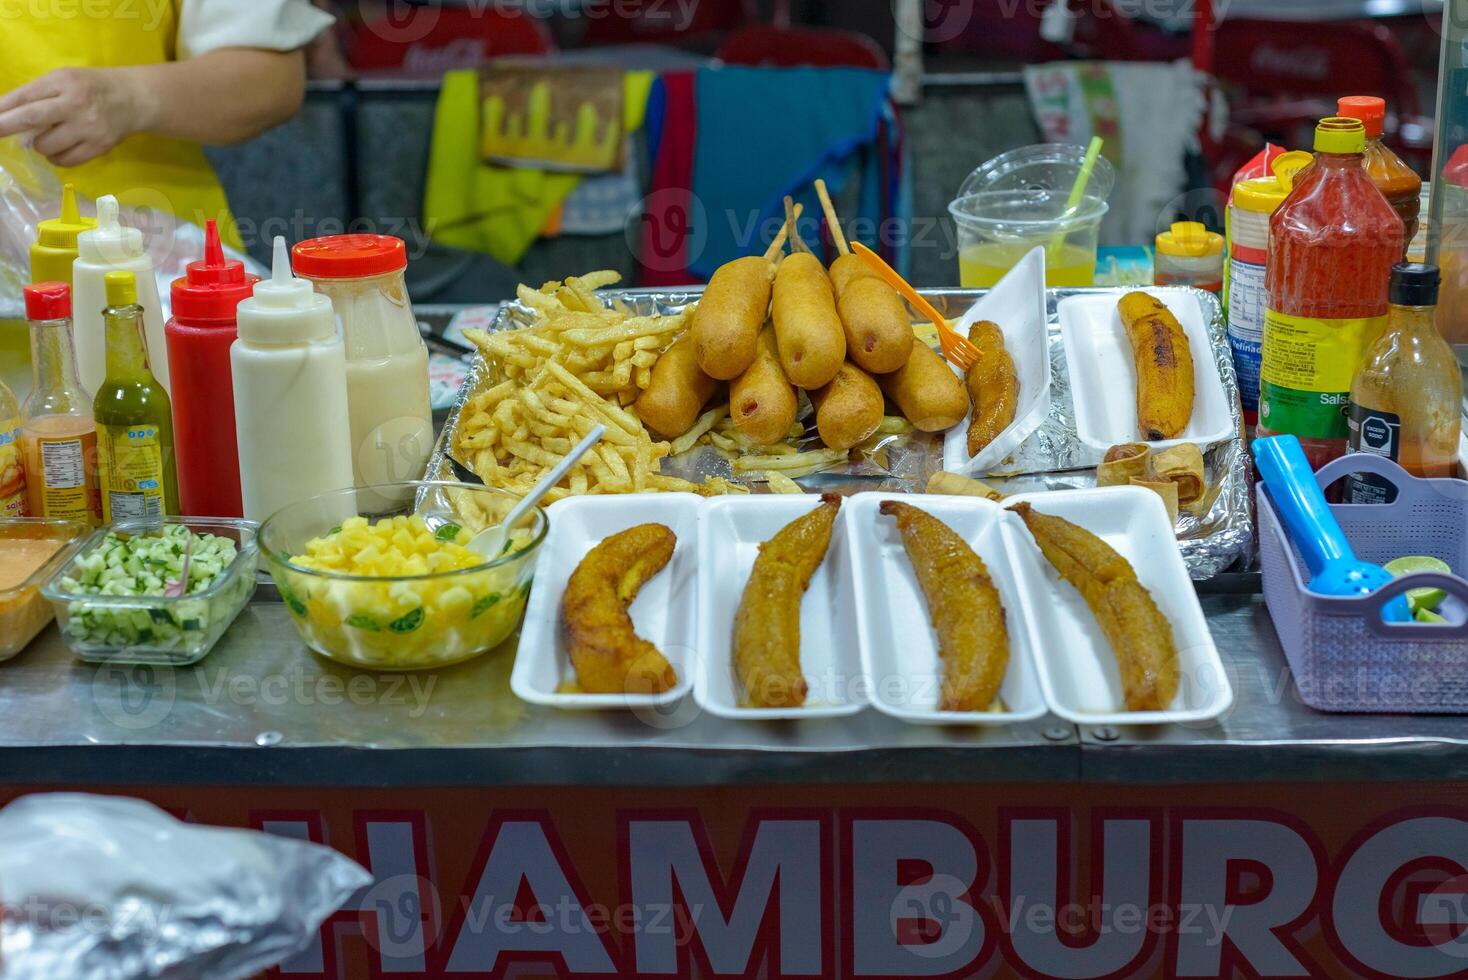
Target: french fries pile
x=580, y=365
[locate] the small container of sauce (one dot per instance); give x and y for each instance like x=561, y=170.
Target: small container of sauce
x=31, y=550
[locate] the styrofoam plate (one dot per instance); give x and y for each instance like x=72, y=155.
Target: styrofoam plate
x=665, y=612
x=1103, y=375
x=731, y=530
x=1017, y=304
x=898, y=643
x=1078, y=670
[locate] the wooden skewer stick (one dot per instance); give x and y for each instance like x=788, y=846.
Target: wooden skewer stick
x=797, y=244
x=832, y=222
x=778, y=244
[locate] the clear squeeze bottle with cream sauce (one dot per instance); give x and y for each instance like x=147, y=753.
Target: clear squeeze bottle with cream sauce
x=387, y=361
x=113, y=247
x=290, y=394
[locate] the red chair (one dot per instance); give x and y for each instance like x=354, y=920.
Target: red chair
x=665, y=23
x=1282, y=78
x=433, y=39
x=788, y=47
x=1008, y=30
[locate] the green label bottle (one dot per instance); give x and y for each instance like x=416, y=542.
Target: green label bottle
x=134, y=417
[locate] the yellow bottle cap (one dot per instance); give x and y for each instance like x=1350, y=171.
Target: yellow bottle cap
x=1287, y=165
x=55, y=246
x=1337, y=134
x=1190, y=239
x=122, y=289
x=1262, y=195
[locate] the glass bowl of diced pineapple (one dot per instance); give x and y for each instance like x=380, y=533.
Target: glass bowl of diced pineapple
x=382, y=577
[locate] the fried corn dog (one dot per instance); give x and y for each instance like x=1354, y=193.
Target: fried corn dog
x=1164, y=363
x=929, y=394
x=727, y=321
x=849, y=409
x=879, y=334
x=811, y=339
x=767, y=626
x=993, y=386
x=973, y=640
x=679, y=391
x=1140, y=636
x=762, y=402
x=608, y=656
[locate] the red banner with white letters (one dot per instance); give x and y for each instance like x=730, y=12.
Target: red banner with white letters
x=881, y=881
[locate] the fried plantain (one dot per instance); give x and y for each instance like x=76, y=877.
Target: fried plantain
x=1164, y=362
x=993, y=386
x=1140, y=636
x=767, y=626
x=608, y=656
x=973, y=641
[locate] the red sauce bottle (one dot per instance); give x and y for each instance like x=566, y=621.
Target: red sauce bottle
x=1332, y=245
x=199, y=336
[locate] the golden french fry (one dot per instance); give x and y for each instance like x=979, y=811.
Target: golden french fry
x=780, y=483
x=705, y=423
x=819, y=459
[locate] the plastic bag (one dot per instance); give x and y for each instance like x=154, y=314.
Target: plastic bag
x=109, y=888
x=31, y=193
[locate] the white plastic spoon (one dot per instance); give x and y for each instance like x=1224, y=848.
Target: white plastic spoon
x=491, y=541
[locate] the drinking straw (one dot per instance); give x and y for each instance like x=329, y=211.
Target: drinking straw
x=1078, y=192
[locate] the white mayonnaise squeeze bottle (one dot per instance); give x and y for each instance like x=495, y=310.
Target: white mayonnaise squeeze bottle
x=290, y=394
x=112, y=247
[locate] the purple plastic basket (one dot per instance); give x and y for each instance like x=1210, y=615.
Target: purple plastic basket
x=1344, y=656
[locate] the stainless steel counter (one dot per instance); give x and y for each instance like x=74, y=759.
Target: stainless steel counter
x=262, y=710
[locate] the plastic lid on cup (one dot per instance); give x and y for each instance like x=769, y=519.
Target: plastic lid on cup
x=1338, y=134
x=47, y=301
x=1189, y=240
x=214, y=286
x=350, y=256
x=1367, y=108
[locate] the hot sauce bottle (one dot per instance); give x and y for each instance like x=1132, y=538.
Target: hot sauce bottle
x=1332, y=245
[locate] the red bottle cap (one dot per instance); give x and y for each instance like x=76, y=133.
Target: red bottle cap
x=349, y=256
x=214, y=286
x=47, y=301
x=1367, y=108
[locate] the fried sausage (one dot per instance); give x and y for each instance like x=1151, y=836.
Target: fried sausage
x=1164, y=363
x=762, y=401
x=767, y=626
x=993, y=386
x=679, y=391
x=608, y=656
x=879, y=335
x=849, y=409
x=927, y=391
x=728, y=319
x=812, y=340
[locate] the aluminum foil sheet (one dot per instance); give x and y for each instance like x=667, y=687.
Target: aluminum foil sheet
x=108, y=888
x=1052, y=458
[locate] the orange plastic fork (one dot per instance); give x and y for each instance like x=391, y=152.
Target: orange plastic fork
x=956, y=347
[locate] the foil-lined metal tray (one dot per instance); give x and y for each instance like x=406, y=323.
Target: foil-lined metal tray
x=1052, y=458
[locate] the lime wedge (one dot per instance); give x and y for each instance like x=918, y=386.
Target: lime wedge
x=1428, y=616
x=1420, y=599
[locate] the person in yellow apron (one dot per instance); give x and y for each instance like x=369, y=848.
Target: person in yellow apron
x=120, y=95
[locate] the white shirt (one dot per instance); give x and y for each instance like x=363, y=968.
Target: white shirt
x=275, y=25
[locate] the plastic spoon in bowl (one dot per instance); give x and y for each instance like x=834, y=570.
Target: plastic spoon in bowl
x=491, y=541
x=1334, y=569
x=177, y=589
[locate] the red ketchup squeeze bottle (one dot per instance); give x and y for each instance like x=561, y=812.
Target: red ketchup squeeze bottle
x=199, y=336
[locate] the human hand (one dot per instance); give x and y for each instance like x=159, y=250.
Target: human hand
x=76, y=114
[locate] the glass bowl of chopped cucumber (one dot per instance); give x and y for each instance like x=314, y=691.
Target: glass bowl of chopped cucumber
x=122, y=597
x=382, y=577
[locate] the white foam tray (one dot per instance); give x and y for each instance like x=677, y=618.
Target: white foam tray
x=665, y=612
x=1078, y=670
x=1017, y=304
x=899, y=645
x=731, y=529
x=1103, y=375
